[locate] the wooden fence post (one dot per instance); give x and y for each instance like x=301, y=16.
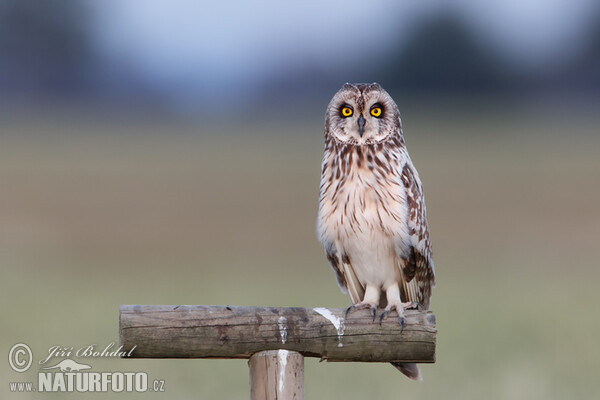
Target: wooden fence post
x=277, y=375
x=275, y=339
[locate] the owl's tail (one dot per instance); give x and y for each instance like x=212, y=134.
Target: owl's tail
x=409, y=369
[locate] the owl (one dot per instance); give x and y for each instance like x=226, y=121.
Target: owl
x=372, y=220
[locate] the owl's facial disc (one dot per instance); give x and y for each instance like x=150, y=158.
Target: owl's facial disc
x=362, y=114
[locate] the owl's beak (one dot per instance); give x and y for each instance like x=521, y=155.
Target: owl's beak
x=361, y=125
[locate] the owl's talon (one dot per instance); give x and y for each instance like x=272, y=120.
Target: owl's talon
x=382, y=316
x=372, y=308
x=399, y=307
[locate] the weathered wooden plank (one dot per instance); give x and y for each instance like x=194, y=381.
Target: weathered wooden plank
x=276, y=374
x=239, y=332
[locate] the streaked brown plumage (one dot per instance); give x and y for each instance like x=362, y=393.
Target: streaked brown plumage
x=372, y=218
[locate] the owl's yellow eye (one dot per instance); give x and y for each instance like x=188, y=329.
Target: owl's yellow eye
x=347, y=111
x=376, y=112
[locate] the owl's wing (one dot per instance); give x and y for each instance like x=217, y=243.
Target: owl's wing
x=418, y=273
x=344, y=272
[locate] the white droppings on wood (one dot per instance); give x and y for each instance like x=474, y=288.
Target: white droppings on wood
x=337, y=322
x=282, y=356
x=282, y=329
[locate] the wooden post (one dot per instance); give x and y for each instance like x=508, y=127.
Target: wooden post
x=240, y=332
x=275, y=339
x=276, y=375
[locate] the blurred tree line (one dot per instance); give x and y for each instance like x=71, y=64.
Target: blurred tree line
x=47, y=50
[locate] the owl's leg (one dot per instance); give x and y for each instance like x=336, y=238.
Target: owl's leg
x=394, y=302
x=370, y=301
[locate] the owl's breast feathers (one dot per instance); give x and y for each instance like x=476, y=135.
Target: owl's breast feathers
x=371, y=204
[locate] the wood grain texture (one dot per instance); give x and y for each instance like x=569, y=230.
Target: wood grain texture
x=188, y=331
x=276, y=375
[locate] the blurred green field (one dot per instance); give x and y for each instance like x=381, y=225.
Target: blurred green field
x=94, y=215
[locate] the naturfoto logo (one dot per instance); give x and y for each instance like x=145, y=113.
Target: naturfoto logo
x=69, y=375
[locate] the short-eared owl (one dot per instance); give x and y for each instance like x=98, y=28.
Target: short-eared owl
x=372, y=219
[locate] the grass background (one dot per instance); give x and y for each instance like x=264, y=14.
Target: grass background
x=94, y=214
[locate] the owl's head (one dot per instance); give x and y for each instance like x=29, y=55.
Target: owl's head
x=362, y=113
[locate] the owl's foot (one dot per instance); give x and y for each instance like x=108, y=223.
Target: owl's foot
x=370, y=301
x=362, y=305
x=399, y=307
